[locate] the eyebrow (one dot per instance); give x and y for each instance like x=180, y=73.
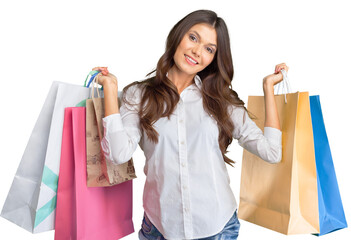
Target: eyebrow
x=198, y=35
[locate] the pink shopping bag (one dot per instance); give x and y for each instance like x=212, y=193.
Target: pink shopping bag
x=82, y=212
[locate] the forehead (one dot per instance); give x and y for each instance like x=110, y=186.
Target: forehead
x=207, y=33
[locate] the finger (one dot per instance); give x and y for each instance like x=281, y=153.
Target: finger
x=99, y=78
x=278, y=67
x=100, y=69
x=104, y=70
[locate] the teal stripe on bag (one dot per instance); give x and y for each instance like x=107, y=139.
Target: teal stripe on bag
x=82, y=103
x=50, y=179
x=45, y=211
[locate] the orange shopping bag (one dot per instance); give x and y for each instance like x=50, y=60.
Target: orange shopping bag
x=283, y=197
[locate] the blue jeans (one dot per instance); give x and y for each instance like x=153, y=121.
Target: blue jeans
x=230, y=231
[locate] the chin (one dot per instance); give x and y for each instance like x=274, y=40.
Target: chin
x=190, y=69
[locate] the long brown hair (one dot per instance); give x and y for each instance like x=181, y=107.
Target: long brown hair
x=159, y=95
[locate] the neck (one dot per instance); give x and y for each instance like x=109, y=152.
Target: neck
x=180, y=79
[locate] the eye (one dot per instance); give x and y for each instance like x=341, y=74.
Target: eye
x=192, y=37
x=210, y=50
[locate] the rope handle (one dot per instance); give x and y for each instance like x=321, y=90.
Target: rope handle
x=93, y=79
x=95, y=86
x=284, y=86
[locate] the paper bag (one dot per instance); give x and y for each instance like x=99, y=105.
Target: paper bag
x=331, y=211
x=283, y=197
x=82, y=212
x=31, y=201
x=100, y=172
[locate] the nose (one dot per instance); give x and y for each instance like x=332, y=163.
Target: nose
x=197, y=50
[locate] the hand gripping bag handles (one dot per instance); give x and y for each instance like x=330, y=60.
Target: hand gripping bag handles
x=283, y=197
x=31, y=201
x=82, y=212
x=101, y=172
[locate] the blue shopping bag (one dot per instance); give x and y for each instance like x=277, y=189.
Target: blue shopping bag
x=331, y=211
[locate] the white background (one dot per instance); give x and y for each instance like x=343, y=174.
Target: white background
x=43, y=41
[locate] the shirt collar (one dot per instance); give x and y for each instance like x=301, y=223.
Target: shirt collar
x=198, y=81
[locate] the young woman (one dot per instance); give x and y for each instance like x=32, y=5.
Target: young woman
x=184, y=118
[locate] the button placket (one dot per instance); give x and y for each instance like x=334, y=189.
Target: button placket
x=184, y=173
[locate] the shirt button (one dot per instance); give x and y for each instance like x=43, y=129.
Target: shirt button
x=184, y=187
x=186, y=210
x=181, y=121
x=183, y=164
x=182, y=142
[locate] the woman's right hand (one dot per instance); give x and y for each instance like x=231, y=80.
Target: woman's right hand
x=105, y=77
x=109, y=82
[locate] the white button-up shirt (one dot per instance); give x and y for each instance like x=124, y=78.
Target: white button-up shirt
x=187, y=193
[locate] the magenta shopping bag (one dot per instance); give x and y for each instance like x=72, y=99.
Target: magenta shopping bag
x=82, y=212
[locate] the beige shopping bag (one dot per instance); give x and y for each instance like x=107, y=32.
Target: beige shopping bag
x=283, y=197
x=102, y=173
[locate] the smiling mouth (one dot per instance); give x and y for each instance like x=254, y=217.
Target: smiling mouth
x=190, y=60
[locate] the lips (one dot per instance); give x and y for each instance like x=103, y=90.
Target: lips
x=192, y=61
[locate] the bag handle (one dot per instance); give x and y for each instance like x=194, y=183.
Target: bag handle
x=284, y=85
x=92, y=74
x=95, y=85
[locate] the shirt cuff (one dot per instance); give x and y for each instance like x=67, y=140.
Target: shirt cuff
x=273, y=134
x=113, y=122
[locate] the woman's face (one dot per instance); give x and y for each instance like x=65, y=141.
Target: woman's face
x=200, y=45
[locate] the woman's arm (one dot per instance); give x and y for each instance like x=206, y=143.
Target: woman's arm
x=267, y=145
x=271, y=117
x=271, y=113
x=111, y=98
x=122, y=131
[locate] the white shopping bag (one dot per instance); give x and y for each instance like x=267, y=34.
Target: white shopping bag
x=31, y=201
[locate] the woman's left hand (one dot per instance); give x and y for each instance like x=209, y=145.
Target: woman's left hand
x=277, y=76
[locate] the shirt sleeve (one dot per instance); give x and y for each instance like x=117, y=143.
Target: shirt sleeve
x=267, y=145
x=122, y=131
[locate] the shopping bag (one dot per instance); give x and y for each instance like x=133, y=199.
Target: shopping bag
x=31, y=201
x=100, y=172
x=82, y=212
x=331, y=211
x=282, y=197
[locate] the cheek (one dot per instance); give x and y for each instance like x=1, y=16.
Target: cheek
x=180, y=51
x=206, y=60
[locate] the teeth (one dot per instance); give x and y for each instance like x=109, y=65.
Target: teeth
x=191, y=60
